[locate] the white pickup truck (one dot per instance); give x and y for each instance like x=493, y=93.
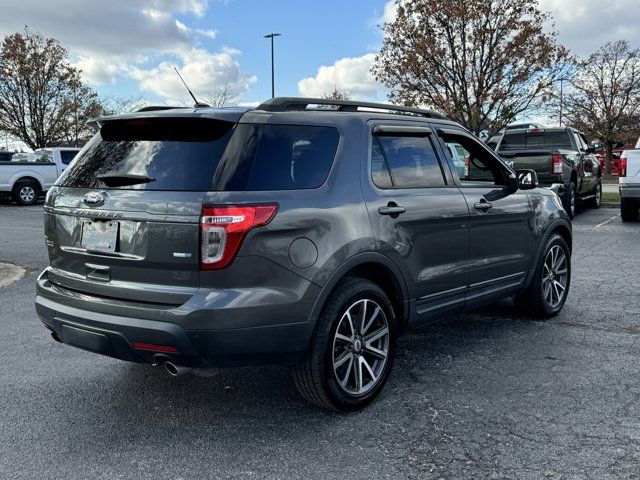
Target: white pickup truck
x=25, y=181
x=629, y=180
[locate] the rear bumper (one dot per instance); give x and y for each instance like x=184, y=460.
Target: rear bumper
x=630, y=190
x=70, y=316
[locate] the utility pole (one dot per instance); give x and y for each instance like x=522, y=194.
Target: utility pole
x=273, y=76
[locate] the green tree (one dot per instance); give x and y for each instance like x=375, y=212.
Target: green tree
x=43, y=101
x=481, y=62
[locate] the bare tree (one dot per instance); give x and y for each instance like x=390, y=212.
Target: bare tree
x=481, y=62
x=116, y=105
x=337, y=94
x=604, y=101
x=42, y=99
x=226, y=95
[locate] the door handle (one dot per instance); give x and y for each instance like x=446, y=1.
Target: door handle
x=483, y=205
x=391, y=209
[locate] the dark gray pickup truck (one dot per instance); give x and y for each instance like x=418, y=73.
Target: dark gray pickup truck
x=562, y=159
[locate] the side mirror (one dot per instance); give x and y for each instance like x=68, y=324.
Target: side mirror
x=589, y=150
x=527, y=179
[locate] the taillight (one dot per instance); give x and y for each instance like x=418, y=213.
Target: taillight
x=223, y=229
x=556, y=164
x=623, y=167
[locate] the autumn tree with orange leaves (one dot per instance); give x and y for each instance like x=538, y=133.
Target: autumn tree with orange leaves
x=480, y=62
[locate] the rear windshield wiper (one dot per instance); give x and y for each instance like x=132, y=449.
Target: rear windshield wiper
x=115, y=179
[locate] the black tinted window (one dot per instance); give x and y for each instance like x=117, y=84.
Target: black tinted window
x=535, y=140
x=277, y=157
x=174, y=153
x=66, y=156
x=405, y=162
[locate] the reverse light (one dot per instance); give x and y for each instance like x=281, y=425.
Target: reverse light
x=556, y=164
x=223, y=229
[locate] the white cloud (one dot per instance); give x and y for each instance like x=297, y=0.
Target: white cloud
x=586, y=25
x=203, y=71
x=141, y=39
x=350, y=74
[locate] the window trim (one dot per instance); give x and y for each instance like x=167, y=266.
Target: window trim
x=455, y=132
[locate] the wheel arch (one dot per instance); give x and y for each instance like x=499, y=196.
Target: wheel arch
x=377, y=268
x=560, y=227
x=27, y=178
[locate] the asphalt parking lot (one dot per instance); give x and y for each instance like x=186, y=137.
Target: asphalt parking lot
x=487, y=395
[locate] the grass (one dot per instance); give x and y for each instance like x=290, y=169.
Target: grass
x=611, y=198
x=610, y=179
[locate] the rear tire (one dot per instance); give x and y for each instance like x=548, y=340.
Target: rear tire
x=569, y=200
x=350, y=357
x=629, y=209
x=549, y=288
x=26, y=192
x=597, y=199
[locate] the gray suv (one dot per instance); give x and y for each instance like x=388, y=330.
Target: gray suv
x=308, y=232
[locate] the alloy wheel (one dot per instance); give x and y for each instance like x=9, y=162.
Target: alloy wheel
x=361, y=347
x=555, y=275
x=27, y=194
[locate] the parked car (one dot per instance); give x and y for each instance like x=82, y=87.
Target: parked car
x=561, y=157
x=201, y=238
x=495, y=139
x=615, y=159
x=5, y=156
x=629, y=181
x=25, y=181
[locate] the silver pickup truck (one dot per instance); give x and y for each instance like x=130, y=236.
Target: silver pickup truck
x=629, y=181
x=25, y=181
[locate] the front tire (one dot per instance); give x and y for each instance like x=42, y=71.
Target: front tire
x=26, y=193
x=629, y=209
x=352, y=350
x=549, y=288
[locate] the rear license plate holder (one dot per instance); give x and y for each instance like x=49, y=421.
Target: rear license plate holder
x=100, y=236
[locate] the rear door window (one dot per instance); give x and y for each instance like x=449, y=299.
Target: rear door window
x=405, y=162
x=171, y=153
x=277, y=157
x=66, y=156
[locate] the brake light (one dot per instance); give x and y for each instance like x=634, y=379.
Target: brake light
x=623, y=167
x=223, y=229
x=556, y=164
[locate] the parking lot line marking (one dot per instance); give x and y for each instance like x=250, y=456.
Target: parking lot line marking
x=21, y=228
x=607, y=221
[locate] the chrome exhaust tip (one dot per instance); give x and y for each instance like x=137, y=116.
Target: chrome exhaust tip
x=175, y=370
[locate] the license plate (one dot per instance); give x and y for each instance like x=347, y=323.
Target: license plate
x=100, y=236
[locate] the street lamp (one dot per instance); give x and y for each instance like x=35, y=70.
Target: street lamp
x=561, y=97
x=273, y=88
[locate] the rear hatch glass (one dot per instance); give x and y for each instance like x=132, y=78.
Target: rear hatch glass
x=178, y=154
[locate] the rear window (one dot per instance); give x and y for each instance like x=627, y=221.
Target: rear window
x=276, y=157
x=535, y=141
x=174, y=153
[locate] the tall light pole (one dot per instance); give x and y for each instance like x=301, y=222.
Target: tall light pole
x=561, y=97
x=273, y=76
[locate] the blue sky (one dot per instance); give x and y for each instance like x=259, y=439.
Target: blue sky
x=128, y=48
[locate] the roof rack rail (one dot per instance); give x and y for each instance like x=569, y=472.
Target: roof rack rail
x=285, y=104
x=155, y=108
